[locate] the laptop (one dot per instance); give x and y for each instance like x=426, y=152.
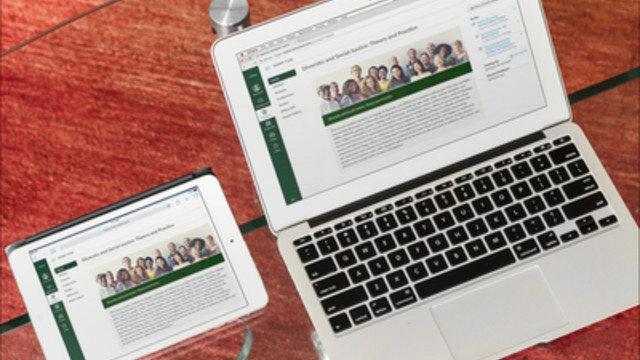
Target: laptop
x=418, y=163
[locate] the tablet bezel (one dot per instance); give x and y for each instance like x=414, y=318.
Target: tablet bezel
x=279, y=214
x=225, y=225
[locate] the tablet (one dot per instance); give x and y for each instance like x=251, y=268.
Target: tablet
x=139, y=275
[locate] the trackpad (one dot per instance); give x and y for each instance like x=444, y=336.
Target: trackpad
x=500, y=315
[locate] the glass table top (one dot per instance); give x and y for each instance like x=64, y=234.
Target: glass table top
x=144, y=70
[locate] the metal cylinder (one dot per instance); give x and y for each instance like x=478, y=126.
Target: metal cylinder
x=228, y=16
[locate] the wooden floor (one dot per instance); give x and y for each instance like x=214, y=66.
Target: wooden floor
x=127, y=98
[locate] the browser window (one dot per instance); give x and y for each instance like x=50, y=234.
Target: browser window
x=363, y=91
x=138, y=278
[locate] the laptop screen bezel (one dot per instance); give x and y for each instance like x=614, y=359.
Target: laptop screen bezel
x=278, y=213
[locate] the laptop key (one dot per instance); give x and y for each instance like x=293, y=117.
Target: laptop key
x=502, y=198
x=476, y=248
x=502, y=177
x=464, y=273
x=377, y=287
x=548, y=240
x=514, y=233
x=331, y=284
x=406, y=215
x=380, y=307
x=495, y=240
x=457, y=235
x=484, y=170
x=402, y=298
x=496, y=220
x=526, y=249
x=378, y=266
x=436, y=264
x=418, y=250
x=437, y=243
x=521, y=170
x=424, y=228
x=464, y=192
x=515, y=212
x=477, y=227
x=386, y=222
x=553, y=217
x=302, y=240
x=483, y=185
x=445, y=200
x=609, y=220
x=564, y=154
x=345, y=258
x=340, y=323
x=584, y=206
x=365, y=251
x=521, y=190
x=366, y=230
x=320, y=268
x=327, y=245
x=562, y=140
x=463, y=212
x=534, y=205
x=571, y=235
x=559, y=175
x=416, y=271
x=444, y=220
x=553, y=197
x=358, y=274
x=425, y=207
x=404, y=236
x=320, y=233
x=308, y=253
x=385, y=243
x=540, y=182
x=344, y=300
x=396, y=279
x=540, y=163
x=456, y=256
x=383, y=209
x=578, y=168
x=534, y=225
x=580, y=187
x=398, y=258
x=347, y=237
x=360, y=314
x=482, y=205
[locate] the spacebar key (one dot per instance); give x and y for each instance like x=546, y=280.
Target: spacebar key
x=465, y=273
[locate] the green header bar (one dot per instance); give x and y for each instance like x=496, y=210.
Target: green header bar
x=163, y=280
x=256, y=88
x=66, y=331
x=282, y=77
x=65, y=267
x=280, y=160
x=45, y=276
x=396, y=94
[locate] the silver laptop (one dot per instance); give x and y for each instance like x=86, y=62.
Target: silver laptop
x=417, y=160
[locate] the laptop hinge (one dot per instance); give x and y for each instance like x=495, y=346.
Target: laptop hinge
x=425, y=179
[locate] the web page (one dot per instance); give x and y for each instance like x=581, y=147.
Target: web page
x=361, y=92
x=138, y=279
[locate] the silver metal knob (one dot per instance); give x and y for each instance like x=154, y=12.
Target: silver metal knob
x=228, y=16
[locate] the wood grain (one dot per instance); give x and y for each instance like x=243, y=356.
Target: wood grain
x=127, y=98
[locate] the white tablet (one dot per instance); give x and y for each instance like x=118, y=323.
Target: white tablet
x=139, y=275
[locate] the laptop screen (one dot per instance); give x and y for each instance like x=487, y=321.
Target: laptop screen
x=342, y=99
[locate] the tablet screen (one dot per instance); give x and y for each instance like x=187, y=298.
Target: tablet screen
x=138, y=278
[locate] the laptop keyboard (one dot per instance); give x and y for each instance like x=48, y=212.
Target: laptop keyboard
x=429, y=241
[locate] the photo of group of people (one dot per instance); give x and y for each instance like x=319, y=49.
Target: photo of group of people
x=355, y=85
x=154, y=262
